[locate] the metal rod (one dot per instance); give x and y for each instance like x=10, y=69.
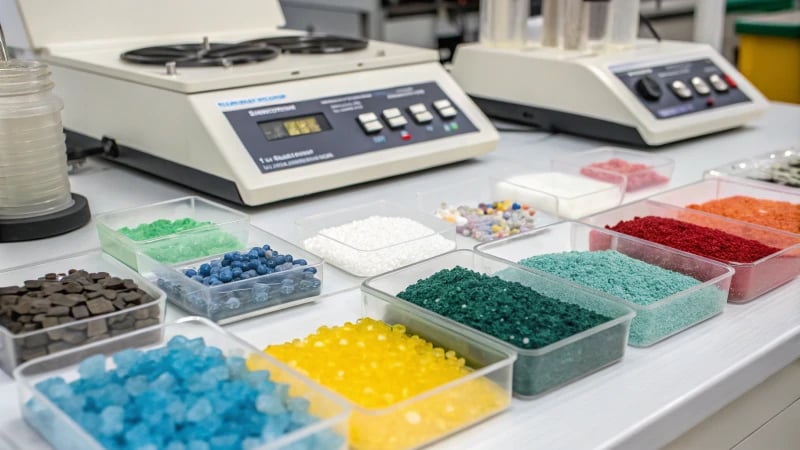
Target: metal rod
x=3, y=50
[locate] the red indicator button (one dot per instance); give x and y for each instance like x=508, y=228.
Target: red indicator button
x=730, y=81
x=405, y=136
x=709, y=102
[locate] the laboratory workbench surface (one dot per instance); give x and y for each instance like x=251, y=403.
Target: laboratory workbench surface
x=645, y=401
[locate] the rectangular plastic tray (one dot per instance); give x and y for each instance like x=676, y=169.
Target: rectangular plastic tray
x=229, y=228
x=367, y=261
x=535, y=371
x=251, y=297
x=750, y=280
x=758, y=168
x=63, y=433
x=392, y=427
x=18, y=348
x=656, y=175
x=543, y=200
x=718, y=188
x=653, y=322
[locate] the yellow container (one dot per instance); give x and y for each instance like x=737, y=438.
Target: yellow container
x=769, y=54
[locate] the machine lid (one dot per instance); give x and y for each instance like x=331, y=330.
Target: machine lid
x=49, y=22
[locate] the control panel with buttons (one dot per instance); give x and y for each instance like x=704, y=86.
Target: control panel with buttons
x=671, y=90
x=293, y=134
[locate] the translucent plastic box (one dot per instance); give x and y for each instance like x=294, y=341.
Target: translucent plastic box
x=655, y=173
x=319, y=234
x=241, y=299
x=227, y=231
x=750, y=280
x=761, y=167
x=426, y=417
x=18, y=348
x=555, y=194
x=655, y=321
x=719, y=188
x=63, y=433
x=472, y=192
x=536, y=371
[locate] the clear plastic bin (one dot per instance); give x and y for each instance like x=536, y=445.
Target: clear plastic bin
x=653, y=322
x=656, y=174
x=719, y=188
x=62, y=432
x=750, y=280
x=315, y=235
x=551, y=196
x=759, y=168
x=228, y=229
x=391, y=427
x=535, y=371
x=239, y=300
x=472, y=192
x=18, y=348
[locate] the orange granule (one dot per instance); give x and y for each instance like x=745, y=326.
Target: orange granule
x=771, y=213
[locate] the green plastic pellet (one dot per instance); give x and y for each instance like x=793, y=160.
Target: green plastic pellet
x=640, y=283
x=161, y=227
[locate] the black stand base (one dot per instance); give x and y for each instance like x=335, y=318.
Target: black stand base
x=39, y=227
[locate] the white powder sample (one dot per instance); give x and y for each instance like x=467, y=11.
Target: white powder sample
x=377, y=244
x=562, y=194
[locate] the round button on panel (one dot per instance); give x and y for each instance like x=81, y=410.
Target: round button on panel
x=648, y=88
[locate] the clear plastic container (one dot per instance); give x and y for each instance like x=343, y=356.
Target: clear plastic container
x=535, y=371
x=750, y=280
x=504, y=22
x=576, y=24
x=597, y=27
x=391, y=427
x=62, y=432
x=719, y=188
x=228, y=228
x=653, y=322
x=607, y=164
x=551, y=23
x=31, y=142
x=239, y=299
x=762, y=168
x=471, y=192
x=320, y=234
x=18, y=348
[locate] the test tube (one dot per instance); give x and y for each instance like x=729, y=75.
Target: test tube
x=623, y=23
x=551, y=23
x=576, y=24
x=504, y=22
x=597, y=10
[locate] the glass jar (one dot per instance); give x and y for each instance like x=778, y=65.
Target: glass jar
x=33, y=160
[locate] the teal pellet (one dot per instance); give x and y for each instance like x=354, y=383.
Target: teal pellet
x=643, y=285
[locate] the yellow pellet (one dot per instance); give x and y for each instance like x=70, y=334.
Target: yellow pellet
x=376, y=365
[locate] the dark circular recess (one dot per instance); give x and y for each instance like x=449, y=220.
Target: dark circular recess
x=197, y=55
x=39, y=227
x=312, y=43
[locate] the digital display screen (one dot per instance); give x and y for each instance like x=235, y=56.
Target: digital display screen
x=294, y=126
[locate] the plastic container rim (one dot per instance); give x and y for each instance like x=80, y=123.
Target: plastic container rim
x=619, y=186
x=723, y=219
x=317, y=261
x=727, y=270
x=296, y=435
x=101, y=218
x=140, y=281
x=402, y=211
x=628, y=316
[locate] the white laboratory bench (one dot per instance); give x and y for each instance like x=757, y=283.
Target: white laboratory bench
x=645, y=401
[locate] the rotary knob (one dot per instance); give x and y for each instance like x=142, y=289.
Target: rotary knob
x=648, y=88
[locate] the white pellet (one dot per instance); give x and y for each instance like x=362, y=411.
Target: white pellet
x=377, y=244
x=562, y=194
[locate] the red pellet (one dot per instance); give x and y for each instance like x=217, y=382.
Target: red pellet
x=696, y=239
x=639, y=175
